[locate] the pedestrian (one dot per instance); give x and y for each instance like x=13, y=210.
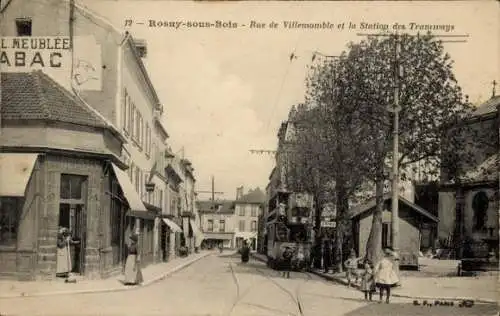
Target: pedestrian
x=327, y=255
x=133, y=272
x=287, y=262
x=385, y=275
x=301, y=257
x=245, y=252
x=64, y=264
x=367, y=280
x=351, y=266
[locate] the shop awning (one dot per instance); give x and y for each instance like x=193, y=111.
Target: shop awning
x=15, y=172
x=196, y=232
x=173, y=226
x=133, y=198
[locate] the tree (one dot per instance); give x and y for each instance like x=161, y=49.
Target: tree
x=331, y=144
x=346, y=128
x=430, y=100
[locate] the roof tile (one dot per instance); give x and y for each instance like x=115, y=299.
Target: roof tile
x=35, y=96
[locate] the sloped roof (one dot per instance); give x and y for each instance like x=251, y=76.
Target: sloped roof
x=222, y=207
x=255, y=196
x=357, y=211
x=486, y=171
x=487, y=107
x=35, y=96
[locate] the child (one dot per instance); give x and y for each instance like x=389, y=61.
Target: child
x=351, y=266
x=367, y=281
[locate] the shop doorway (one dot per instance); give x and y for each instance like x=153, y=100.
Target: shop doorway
x=73, y=217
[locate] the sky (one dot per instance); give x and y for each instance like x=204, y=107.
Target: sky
x=226, y=91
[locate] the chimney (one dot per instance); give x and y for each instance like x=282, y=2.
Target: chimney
x=239, y=192
x=141, y=47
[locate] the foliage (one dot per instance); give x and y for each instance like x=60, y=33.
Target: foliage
x=345, y=132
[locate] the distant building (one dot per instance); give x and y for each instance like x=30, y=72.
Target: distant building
x=217, y=223
x=248, y=208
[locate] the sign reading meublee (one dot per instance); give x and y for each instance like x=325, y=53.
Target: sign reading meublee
x=33, y=52
x=79, y=66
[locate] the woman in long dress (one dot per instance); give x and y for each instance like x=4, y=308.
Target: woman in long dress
x=385, y=275
x=245, y=252
x=64, y=265
x=133, y=273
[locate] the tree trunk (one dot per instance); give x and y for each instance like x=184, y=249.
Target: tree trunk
x=342, y=208
x=374, y=243
x=317, y=237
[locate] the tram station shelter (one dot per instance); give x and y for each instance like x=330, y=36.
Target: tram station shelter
x=413, y=222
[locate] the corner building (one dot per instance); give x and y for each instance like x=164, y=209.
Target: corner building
x=106, y=75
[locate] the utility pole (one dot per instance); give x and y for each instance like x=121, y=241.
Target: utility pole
x=395, y=152
x=396, y=108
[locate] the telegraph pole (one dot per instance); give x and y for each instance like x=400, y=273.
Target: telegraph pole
x=396, y=108
x=395, y=152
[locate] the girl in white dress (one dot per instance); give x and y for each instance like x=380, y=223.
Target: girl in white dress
x=385, y=275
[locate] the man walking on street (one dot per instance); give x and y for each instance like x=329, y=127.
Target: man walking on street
x=287, y=262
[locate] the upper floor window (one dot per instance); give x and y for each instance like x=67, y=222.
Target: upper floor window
x=126, y=111
x=131, y=171
x=23, y=27
x=241, y=226
x=254, y=226
x=160, y=202
x=137, y=180
x=132, y=119
x=222, y=226
x=138, y=127
x=148, y=194
x=210, y=225
x=254, y=211
x=147, y=145
x=241, y=211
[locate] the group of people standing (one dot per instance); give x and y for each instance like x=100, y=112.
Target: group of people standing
x=381, y=275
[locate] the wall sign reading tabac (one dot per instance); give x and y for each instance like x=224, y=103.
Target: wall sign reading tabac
x=52, y=55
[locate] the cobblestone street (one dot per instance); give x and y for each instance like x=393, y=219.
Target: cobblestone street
x=223, y=286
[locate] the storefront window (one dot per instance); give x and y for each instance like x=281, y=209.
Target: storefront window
x=9, y=220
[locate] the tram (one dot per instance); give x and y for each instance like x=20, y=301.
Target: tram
x=289, y=225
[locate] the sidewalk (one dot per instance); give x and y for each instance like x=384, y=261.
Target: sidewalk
x=152, y=273
x=482, y=289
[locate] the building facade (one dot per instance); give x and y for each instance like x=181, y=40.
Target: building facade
x=468, y=204
x=50, y=181
x=217, y=222
x=248, y=207
x=103, y=69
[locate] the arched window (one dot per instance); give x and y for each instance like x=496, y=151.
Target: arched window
x=480, y=203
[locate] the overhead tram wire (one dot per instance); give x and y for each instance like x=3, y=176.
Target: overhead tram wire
x=280, y=91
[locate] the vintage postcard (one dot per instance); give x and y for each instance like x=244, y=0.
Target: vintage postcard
x=235, y=158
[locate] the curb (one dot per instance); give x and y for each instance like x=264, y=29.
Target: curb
x=258, y=258
x=343, y=282
x=415, y=297
x=112, y=289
